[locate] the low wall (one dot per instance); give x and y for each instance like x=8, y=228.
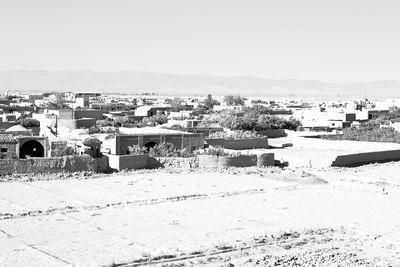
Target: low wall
x=211, y=161
x=173, y=162
x=273, y=133
x=127, y=162
x=48, y=165
x=102, y=164
x=239, y=144
x=266, y=160
x=354, y=160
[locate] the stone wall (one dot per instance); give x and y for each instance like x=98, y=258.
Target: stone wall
x=48, y=165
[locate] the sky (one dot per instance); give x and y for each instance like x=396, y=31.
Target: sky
x=326, y=40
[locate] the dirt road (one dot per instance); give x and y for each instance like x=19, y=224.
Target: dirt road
x=245, y=217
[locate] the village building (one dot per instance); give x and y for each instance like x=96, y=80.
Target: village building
x=148, y=111
x=19, y=142
x=8, y=146
x=150, y=136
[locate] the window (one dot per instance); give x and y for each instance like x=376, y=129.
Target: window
x=3, y=150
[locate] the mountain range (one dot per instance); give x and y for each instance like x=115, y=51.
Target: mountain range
x=131, y=82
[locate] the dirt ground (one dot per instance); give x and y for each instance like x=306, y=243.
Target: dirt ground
x=238, y=217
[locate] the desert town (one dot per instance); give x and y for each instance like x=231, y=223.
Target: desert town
x=92, y=179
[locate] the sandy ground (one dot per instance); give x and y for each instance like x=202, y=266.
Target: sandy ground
x=239, y=217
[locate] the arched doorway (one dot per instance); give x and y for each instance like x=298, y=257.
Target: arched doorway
x=149, y=145
x=31, y=148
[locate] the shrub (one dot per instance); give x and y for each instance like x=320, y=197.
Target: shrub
x=176, y=127
x=238, y=134
x=250, y=121
x=104, y=123
x=137, y=150
x=394, y=114
x=216, y=151
x=167, y=149
x=267, y=122
x=65, y=151
x=94, y=130
x=234, y=100
x=370, y=131
x=153, y=121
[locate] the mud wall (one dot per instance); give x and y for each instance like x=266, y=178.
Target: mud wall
x=102, y=164
x=273, y=133
x=127, y=162
x=211, y=161
x=266, y=160
x=354, y=160
x=173, y=162
x=239, y=143
x=48, y=165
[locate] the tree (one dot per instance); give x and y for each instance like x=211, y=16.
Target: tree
x=57, y=104
x=234, y=100
x=29, y=122
x=209, y=103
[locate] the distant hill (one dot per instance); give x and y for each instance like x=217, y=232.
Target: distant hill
x=129, y=82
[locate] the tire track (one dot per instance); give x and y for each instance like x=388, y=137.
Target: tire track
x=282, y=241
x=144, y=202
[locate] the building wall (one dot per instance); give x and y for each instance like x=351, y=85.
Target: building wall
x=88, y=113
x=78, y=124
x=70, y=114
x=11, y=150
x=6, y=125
x=44, y=141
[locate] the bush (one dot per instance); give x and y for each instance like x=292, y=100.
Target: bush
x=104, y=123
x=176, y=127
x=137, y=150
x=252, y=120
x=153, y=121
x=168, y=150
x=60, y=152
x=216, y=151
x=267, y=122
x=94, y=130
x=234, y=100
x=370, y=131
x=236, y=135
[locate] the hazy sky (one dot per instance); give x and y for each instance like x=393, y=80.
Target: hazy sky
x=335, y=40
